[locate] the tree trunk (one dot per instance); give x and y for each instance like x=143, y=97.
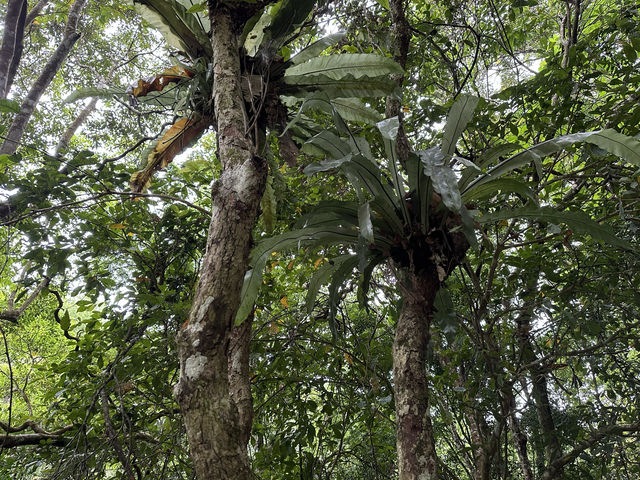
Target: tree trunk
x=68, y=134
x=55, y=62
x=400, y=37
x=217, y=438
x=520, y=443
x=539, y=388
x=11, y=49
x=415, y=443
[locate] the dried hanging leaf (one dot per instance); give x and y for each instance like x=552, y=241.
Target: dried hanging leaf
x=157, y=83
x=179, y=136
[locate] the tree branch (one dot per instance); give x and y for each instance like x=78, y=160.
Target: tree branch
x=602, y=433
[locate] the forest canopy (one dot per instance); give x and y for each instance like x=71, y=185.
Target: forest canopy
x=332, y=239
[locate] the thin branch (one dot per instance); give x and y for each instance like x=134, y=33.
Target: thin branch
x=601, y=434
x=95, y=198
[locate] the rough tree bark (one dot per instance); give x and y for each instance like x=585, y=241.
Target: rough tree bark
x=216, y=412
x=420, y=271
x=415, y=443
x=55, y=62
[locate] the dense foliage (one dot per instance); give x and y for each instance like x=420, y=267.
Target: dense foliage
x=512, y=156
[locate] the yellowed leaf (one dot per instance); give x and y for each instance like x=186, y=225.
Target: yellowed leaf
x=318, y=262
x=117, y=226
x=284, y=302
x=156, y=84
x=274, y=328
x=348, y=358
x=178, y=137
x=290, y=265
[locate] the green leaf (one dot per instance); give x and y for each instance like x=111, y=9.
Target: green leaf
x=198, y=7
x=331, y=213
x=367, y=175
x=337, y=67
x=505, y=185
x=285, y=241
x=326, y=165
x=9, y=106
x=331, y=144
x=321, y=277
x=255, y=36
x=349, y=109
x=486, y=159
x=420, y=188
x=389, y=130
x=613, y=142
x=344, y=271
x=348, y=86
x=577, y=221
x=459, y=116
x=354, y=110
x=268, y=206
x=182, y=30
x=289, y=17
x=365, y=278
x=316, y=48
x=65, y=321
x=91, y=92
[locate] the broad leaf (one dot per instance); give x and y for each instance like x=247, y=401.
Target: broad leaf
x=337, y=67
x=366, y=175
x=348, y=86
x=420, y=189
x=289, y=17
x=326, y=165
x=321, y=277
x=91, y=92
x=316, y=48
x=626, y=147
x=285, y=241
x=459, y=116
x=349, y=109
x=577, y=221
x=504, y=185
x=389, y=128
x=331, y=144
x=486, y=159
x=9, y=106
x=181, y=30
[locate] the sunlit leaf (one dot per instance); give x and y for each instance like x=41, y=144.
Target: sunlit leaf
x=459, y=116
